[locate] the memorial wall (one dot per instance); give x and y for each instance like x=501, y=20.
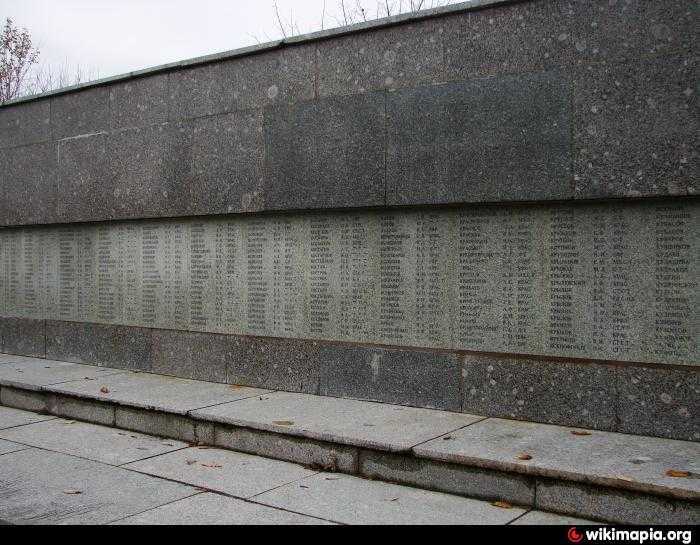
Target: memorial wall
x=604, y=281
x=490, y=207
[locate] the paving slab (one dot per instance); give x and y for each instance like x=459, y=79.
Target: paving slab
x=157, y=392
x=33, y=373
x=11, y=358
x=359, y=423
x=99, y=443
x=7, y=446
x=213, y=509
x=10, y=418
x=540, y=518
x=41, y=487
x=233, y=473
x=610, y=459
x=351, y=500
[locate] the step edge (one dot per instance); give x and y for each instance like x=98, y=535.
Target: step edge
x=615, y=484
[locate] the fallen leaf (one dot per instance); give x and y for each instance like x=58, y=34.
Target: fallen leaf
x=580, y=432
x=677, y=473
x=236, y=387
x=73, y=492
x=283, y=423
x=524, y=456
x=447, y=438
x=212, y=466
x=502, y=504
x=190, y=462
x=104, y=390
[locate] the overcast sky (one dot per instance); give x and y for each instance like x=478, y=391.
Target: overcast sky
x=108, y=37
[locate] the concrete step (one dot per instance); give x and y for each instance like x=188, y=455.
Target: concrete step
x=105, y=467
x=591, y=474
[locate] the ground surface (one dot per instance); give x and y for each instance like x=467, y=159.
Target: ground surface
x=62, y=471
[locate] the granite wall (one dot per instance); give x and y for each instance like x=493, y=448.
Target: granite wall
x=496, y=110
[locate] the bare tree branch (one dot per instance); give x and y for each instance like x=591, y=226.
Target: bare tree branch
x=280, y=24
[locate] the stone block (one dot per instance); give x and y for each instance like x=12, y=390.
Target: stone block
x=615, y=506
x=195, y=92
x=86, y=191
x=34, y=373
x=387, y=58
x=81, y=409
x=602, y=458
x=160, y=424
x=636, y=129
x=154, y=392
x=536, y=36
x=150, y=171
x=25, y=400
x=494, y=139
x=198, y=356
x=450, y=478
x=300, y=450
x=292, y=365
x=554, y=392
x=139, y=102
x=118, y=347
x=325, y=154
x=660, y=402
x=275, y=77
x=348, y=422
x=227, y=164
x=29, y=179
x=404, y=377
x=80, y=113
x=243, y=83
x=24, y=124
x=669, y=26
x=23, y=337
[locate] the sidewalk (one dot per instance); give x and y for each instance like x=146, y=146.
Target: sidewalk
x=61, y=471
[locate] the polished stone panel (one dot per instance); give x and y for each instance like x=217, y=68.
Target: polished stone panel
x=325, y=154
x=613, y=281
x=497, y=139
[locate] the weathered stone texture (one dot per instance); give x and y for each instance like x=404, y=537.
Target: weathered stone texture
x=80, y=114
x=499, y=139
x=325, y=154
x=25, y=124
x=139, y=102
x=421, y=379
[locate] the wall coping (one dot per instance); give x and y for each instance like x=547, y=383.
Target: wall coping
x=395, y=20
